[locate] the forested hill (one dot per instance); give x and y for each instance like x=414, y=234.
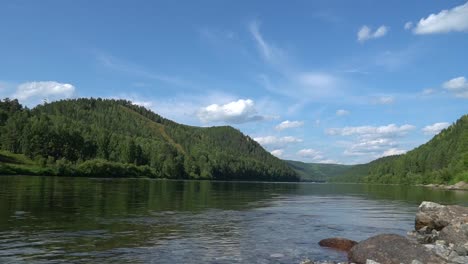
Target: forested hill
x=444, y=159
x=96, y=137
x=320, y=172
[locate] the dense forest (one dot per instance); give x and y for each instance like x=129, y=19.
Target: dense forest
x=444, y=159
x=317, y=172
x=115, y=138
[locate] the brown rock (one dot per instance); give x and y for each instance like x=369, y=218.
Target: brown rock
x=338, y=243
x=392, y=249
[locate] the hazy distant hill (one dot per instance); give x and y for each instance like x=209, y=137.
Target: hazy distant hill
x=95, y=137
x=317, y=171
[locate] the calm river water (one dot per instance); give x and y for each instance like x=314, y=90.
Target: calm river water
x=78, y=220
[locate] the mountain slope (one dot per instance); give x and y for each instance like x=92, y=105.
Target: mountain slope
x=443, y=159
x=317, y=171
x=87, y=135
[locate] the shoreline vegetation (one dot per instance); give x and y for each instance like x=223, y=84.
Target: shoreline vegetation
x=115, y=138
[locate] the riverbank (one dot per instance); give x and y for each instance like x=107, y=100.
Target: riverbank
x=440, y=237
x=459, y=186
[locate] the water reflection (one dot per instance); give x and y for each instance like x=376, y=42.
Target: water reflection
x=56, y=220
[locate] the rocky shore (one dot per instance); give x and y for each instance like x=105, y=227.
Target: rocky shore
x=440, y=237
x=459, y=186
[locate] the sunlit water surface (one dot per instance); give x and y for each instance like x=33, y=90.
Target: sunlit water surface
x=78, y=220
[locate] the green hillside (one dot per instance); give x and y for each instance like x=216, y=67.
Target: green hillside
x=444, y=159
x=317, y=171
x=96, y=137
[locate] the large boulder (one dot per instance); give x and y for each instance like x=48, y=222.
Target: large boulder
x=392, y=249
x=435, y=216
x=455, y=233
x=338, y=243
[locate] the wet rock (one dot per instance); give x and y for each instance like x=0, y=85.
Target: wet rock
x=338, y=243
x=390, y=249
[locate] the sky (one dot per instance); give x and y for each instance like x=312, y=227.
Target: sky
x=317, y=81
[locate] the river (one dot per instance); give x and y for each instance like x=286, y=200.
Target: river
x=79, y=220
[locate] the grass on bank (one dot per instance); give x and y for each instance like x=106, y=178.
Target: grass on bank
x=19, y=164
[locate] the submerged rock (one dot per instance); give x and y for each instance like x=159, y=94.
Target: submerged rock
x=338, y=243
x=390, y=249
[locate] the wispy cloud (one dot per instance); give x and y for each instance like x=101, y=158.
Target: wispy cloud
x=269, y=52
x=383, y=100
x=342, y=112
x=449, y=20
x=120, y=65
x=312, y=84
x=408, y=25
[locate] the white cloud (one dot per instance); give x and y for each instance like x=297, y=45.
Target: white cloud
x=289, y=124
x=277, y=141
x=372, y=131
x=451, y=20
x=328, y=161
x=371, y=141
x=342, y=112
x=384, y=100
x=277, y=152
x=435, y=128
x=393, y=151
x=236, y=112
x=370, y=147
x=408, y=25
x=310, y=153
x=365, y=33
x=459, y=86
x=35, y=92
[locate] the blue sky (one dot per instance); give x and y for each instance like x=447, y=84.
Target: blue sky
x=317, y=81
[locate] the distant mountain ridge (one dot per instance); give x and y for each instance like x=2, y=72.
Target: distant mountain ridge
x=317, y=172
x=97, y=137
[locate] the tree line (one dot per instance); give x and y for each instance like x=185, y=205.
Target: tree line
x=115, y=138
